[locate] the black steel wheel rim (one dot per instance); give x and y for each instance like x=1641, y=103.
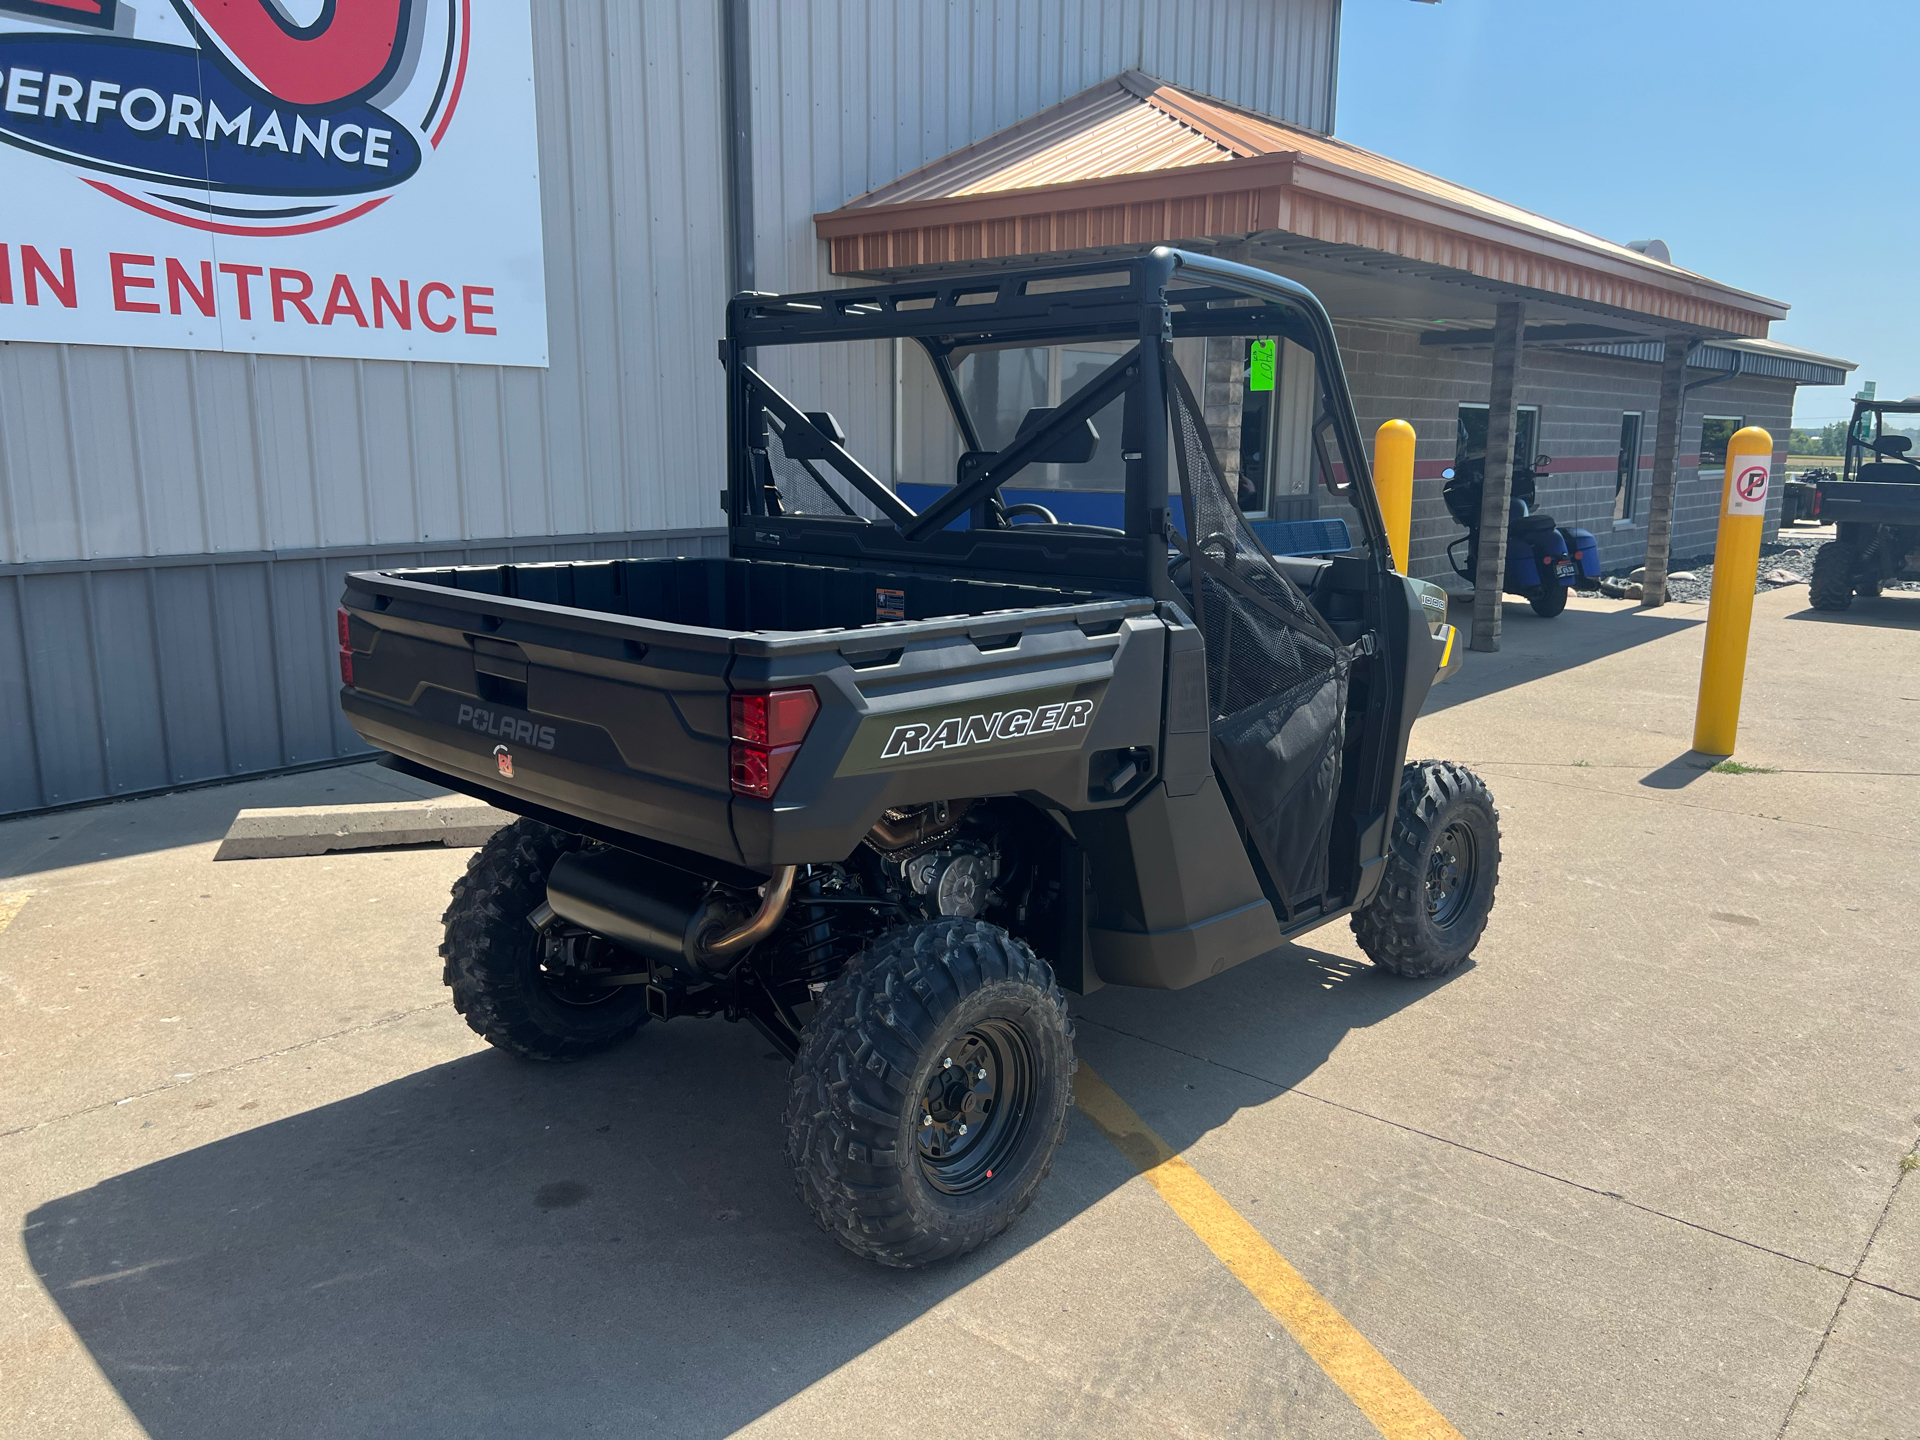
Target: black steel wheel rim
x=975, y=1106
x=1452, y=868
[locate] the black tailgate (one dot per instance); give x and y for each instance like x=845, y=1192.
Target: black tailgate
x=619, y=721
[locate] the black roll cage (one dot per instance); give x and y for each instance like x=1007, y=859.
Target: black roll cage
x=1153, y=299
x=1859, y=449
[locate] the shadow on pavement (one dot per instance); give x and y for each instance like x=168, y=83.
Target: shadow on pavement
x=1894, y=610
x=1531, y=648
x=493, y=1248
x=1681, y=771
x=142, y=824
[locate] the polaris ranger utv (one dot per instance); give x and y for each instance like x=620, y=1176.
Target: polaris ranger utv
x=885, y=780
x=1874, y=506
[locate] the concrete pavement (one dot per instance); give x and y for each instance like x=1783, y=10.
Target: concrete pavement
x=1636, y=1171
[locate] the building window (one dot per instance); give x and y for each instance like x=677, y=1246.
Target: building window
x=1626, y=475
x=1715, y=432
x=1470, y=436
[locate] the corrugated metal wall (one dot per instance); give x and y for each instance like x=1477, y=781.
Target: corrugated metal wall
x=214, y=501
x=128, y=676
x=112, y=452
x=849, y=95
x=173, y=525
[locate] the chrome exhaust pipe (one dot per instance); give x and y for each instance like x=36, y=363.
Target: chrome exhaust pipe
x=773, y=907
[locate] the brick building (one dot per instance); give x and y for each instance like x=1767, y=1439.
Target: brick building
x=1581, y=401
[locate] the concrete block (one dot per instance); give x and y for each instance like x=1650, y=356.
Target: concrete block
x=454, y=821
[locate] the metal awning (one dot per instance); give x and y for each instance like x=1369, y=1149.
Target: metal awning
x=1134, y=162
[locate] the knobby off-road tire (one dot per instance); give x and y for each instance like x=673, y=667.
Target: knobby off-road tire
x=1832, y=585
x=1442, y=866
x=873, y=1109
x=493, y=956
x=1548, y=600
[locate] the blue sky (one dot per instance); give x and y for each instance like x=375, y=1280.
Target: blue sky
x=1772, y=145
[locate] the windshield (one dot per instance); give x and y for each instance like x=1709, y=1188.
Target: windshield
x=1269, y=414
x=1885, y=435
x=1005, y=391
x=1876, y=424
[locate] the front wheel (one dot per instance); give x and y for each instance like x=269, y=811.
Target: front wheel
x=1442, y=866
x=1548, y=599
x=930, y=1092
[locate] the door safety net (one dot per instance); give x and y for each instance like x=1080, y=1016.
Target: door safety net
x=805, y=485
x=1276, y=675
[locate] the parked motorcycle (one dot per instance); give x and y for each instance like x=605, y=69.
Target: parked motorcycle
x=1544, y=560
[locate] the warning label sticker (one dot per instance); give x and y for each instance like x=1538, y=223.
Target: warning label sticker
x=1747, y=491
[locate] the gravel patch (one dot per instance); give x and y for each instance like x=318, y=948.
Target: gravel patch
x=1793, y=553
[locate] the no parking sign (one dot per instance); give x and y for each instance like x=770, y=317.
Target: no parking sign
x=1747, y=491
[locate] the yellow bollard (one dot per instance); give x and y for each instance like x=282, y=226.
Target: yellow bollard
x=1736, y=561
x=1393, y=485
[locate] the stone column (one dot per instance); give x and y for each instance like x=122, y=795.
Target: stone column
x=1488, y=583
x=1222, y=400
x=1666, y=462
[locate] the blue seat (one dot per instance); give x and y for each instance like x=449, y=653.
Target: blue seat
x=1303, y=537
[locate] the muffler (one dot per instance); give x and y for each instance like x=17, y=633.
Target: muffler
x=668, y=915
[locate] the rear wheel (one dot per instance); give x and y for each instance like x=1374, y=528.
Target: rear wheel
x=1832, y=585
x=1442, y=867
x=1548, y=599
x=930, y=1092
x=497, y=963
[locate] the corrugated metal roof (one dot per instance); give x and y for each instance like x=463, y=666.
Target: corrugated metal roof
x=1136, y=139
x=1756, y=357
x=1775, y=349
x=1136, y=125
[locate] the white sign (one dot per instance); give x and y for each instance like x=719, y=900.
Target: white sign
x=1747, y=484
x=294, y=177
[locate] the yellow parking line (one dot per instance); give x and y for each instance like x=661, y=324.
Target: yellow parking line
x=1384, y=1395
x=11, y=905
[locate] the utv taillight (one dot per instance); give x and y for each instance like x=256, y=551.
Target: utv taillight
x=768, y=727
x=346, y=651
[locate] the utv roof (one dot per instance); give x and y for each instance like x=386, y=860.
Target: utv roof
x=1053, y=300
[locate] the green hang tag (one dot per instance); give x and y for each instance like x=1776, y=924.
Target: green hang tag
x=1262, y=356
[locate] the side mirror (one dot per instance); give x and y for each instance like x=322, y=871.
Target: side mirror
x=1447, y=474
x=1540, y=462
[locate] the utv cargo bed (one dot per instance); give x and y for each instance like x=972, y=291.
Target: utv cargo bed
x=600, y=688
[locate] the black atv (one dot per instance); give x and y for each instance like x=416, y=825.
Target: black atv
x=1873, y=505
x=886, y=781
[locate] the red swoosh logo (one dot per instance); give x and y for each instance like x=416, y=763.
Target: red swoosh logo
x=341, y=54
